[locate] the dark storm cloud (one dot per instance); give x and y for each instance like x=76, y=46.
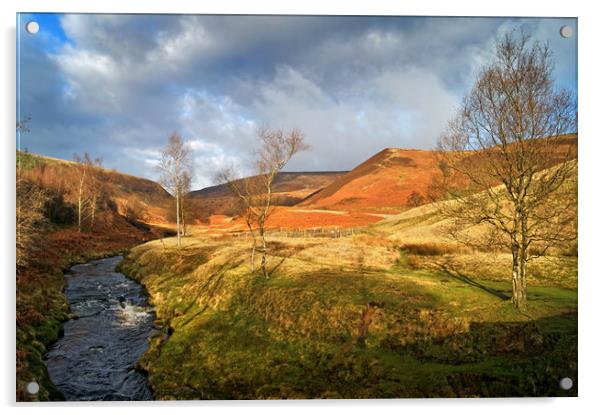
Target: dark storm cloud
x=118, y=85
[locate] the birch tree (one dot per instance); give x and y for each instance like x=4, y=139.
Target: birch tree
x=87, y=188
x=94, y=188
x=184, y=203
x=248, y=191
x=175, y=171
x=506, y=160
x=276, y=149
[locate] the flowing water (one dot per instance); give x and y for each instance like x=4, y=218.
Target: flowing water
x=95, y=358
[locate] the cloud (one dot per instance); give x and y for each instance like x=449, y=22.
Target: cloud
x=118, y=85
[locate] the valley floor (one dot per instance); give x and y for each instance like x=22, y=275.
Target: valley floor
x=361, y=316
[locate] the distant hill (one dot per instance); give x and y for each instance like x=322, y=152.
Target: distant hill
x=290, y=188
x=387, y=179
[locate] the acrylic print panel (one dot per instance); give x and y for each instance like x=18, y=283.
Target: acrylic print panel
x=272, y=207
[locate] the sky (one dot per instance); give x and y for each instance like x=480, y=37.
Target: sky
x=117, y=86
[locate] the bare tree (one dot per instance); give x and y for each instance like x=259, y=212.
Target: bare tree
x=95, y=187
x=506, y=162
x=249, y=192
x=87, y=188
x=82, y=172
x=276, y=149
x=175, y=172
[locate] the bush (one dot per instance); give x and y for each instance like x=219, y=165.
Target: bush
x=284, y=200
x=430, y=249
x=415, y=199
x=58, y=211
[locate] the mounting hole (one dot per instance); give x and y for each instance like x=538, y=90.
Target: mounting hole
x=566, y=383
x=32, y=27
x=33, y=388
x=566, y=31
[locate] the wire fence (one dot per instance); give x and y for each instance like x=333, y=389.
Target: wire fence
x=327, y=232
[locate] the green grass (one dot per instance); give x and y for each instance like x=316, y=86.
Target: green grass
x=298, y=333
x=27, y=161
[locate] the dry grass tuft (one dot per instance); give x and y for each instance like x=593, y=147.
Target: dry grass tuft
x=433, y=248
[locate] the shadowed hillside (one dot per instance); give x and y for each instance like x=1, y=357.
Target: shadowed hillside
x=290, y=188
x=126, y=191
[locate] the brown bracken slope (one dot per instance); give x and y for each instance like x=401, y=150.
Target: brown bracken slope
x=385, y=180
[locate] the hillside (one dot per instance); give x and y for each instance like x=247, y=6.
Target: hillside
x=126, y=191
x=290, y=188
x=385, y=180
x=378, y=188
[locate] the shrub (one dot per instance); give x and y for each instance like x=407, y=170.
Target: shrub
x=415, y=199
x=430, y=248
x=58, y=211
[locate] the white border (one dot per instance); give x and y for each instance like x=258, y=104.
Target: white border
x=589, y=173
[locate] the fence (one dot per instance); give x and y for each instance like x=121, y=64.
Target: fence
x=328, y=232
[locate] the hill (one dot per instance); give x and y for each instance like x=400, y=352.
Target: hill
x=127, y=192
x=290, y=188
x=384, y=180
x=387, y=179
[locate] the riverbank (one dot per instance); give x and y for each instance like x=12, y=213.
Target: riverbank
x=41, y=305
x=347, y=318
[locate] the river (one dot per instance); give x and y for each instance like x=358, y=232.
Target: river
x=95, y=358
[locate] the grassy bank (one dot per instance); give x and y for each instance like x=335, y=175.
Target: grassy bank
x=355, y=317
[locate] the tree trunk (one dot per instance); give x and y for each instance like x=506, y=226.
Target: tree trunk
x=253, y=254
x=183, y=221
x=264, y=248
x=519, y=293
x=93, y=214
x=254, y=247
x=264, y=251
x=178, y=217
x=262, y=219
x=79, y=214
x=80, y=203
x=523, y=259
